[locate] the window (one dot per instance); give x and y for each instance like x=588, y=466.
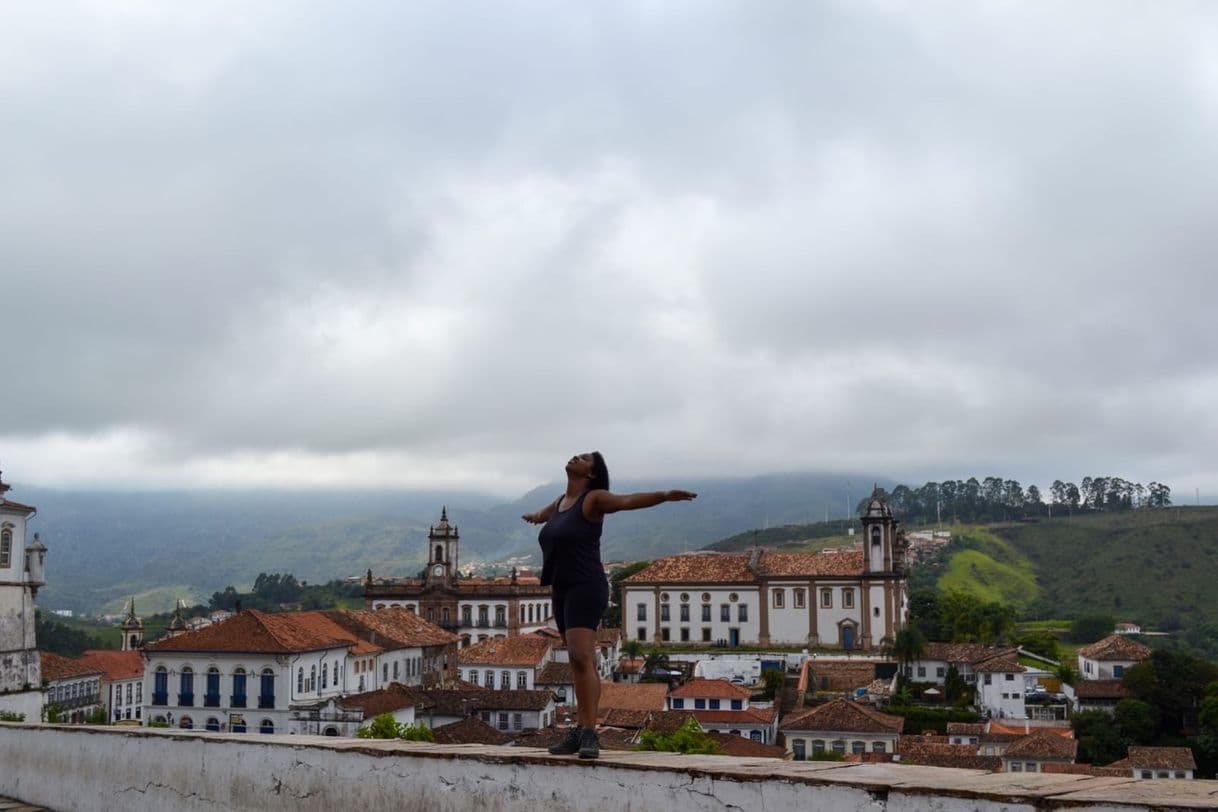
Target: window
x=6, y=548
x=706, y=634
x=467, y=616
x=1147, y=774
x=778, y=598
x=847, y=598
x=300, y=680
x=989, y=678
x=1161, y=774
x=483, y=616
x=1016, y=767
x=839, y=747
x=641, y=612
x=238, y=698
x=678, y=704
x=473, y=677
x=129, y=686
x=395, y=669
x=664, y=614
x=266, y=726
x=798, y=596
x=858, y=747
x=1118, y=671
x=517, y=721
x=714, y=704
x=699, y=704
x=212, y=698
x=879, y=747
x=664, y=634
x=187, y=723
x=266, y=698
x=725, y=612
x=737, y=704
x=500, y=616
x=522, y=679
x=490, y=678
x=818, y=745
x=797, y=750
x=706, y=613
x=939, y=672
x=684, y=597
x=444, y=618
x=826, y=598
x=921, y=671
x=742, y=612
x=642, y=633
x=1030, y=767
x=186, y=687
x=503, y=721
x=1179, y=773
x=684, y=634
x=685, y=613
x=505, y=680
x=1010, y=677
x=213, y=724
x=385, y=672
x=160, y=686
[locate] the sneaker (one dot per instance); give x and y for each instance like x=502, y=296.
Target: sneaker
x=567, y=746
x=589, y=744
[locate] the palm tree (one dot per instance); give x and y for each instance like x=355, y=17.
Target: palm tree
x=652, y=662
x=907, y=645
x=632, y=649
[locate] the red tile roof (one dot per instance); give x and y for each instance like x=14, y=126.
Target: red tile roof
x=115, y=665
x=996, y=728
x=740, y=747
x=55, y=667
x=470, y=730
x=965, y=728
x=843, y=715
x=619, y=717
x=914, y=750
x=966, y=653
x=386, y=700
x=262, y=632
x=1157, y=758
x=526, y=649
x=633, y=696
x=711, y=689
x=718, y=568
x=999, y=664
x=555, y=674
x=1101, y=689
x=1043, y=744
x=391, y=629
x=807, y=565
x=1115, y=647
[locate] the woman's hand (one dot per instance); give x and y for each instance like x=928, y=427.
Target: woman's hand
x=533, y=518
x=679, y=496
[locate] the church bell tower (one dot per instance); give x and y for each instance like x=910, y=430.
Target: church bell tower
x=442, y=549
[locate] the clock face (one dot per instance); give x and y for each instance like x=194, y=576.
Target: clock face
x=438, y=570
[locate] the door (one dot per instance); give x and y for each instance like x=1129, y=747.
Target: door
x=848, y=637
x=733, y=637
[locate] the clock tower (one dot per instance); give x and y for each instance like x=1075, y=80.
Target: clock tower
x=442, y=543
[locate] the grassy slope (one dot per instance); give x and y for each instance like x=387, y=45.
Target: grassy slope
x=991, y=568
x=1148, y=567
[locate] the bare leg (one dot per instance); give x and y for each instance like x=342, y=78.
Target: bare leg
x=581, y=648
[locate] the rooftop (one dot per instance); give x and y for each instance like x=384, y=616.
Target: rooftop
x=114, y=665
x=633, y=696
x=527, y=649
x=707, y=568
x=1043, y=744
x=711, y=689
x=1115, y=647
x=55, y=667
x=846, y=716
x=1157, y=758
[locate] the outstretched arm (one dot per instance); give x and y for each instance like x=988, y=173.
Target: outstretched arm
x=599, y=503
x=542, y=516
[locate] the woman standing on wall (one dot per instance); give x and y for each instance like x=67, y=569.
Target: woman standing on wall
x=571, y=566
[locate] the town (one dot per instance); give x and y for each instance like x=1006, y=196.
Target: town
x=797, y=656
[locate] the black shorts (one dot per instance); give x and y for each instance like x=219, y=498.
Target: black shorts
x=580, y=606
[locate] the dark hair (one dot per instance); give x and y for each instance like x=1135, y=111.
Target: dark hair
x=600, y=473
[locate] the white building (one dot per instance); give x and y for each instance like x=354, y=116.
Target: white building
x=721, y=707
x=475, y=609
x=21, y=574
x=122, y=682
x=1158, y=762
x=276, y=672
x=1031, y=753
x=851, y=599
x=506, y=663
x=1000, y=688
x=1110, y=657
x=840, y=726
x=73, y=688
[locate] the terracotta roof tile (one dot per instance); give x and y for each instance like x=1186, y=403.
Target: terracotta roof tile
x=740, y=747
x=619, y=717
x=608, y=636
x=391, y=629
x=16, y=507
x=633, y=696
x=960, y=756
x=115, y=665
x=965, y=728
x=1159, y=758
x=555, y=674
x=470, y=730
x=55, y=667
x=1101, y=689
x=386, y=700
x=696, y=568
x=996, y=728
x=844, y=716
x=1043, y=744
x=711, y=689
x=667, y=721
x=1115, y=647
x=999, y=664
x=839, y=676
x=519, y=650
x=807, y=565
x=262, y=632
x=968, y=653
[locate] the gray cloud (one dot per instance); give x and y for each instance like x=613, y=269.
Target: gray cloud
x=378, y=244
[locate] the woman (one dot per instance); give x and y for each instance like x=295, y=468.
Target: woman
x=571, y=565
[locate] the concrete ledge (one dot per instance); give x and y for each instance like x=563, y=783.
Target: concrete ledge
x=104, y=768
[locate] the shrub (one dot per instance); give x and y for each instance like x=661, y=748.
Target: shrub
x=689, y=738
x=9, y=716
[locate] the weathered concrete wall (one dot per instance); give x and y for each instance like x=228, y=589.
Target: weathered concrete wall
x=136, y=769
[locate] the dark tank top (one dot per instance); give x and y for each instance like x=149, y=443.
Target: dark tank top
x=570, y=547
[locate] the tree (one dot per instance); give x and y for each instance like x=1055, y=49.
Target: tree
x=632, y=649
x=771, y=681
x=907, y=645
x=1137, y=721
x=384, y=726
x=1038, y=642
x=653, y=661
x=1175, y=684
x=1089, y=628
x=689, y=738
x=1099, y=741
x=416, y=732
x=924, y=613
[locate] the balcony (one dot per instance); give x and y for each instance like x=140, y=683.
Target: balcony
x=160, y=698
x=266, y=701
x=186, y=700
x=236, y=701
x=211, y=700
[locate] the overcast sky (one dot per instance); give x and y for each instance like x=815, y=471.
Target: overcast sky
x=449, y=244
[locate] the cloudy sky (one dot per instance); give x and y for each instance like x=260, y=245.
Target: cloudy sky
x=449, y=244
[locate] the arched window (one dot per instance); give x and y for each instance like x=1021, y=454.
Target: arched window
x=6, y=548
x=186, y=687
x=266, y=726
x=266, y=699
x=439, y=553
x=530, y=613
x=213, y=724
x=212, y=698
x=325, y=675
x=300, y=687
x=312, y=678
x=238, y=725
x=238, y=698
x=160, y=686
x=187, y=723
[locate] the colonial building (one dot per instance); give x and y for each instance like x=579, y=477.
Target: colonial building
x=284, y=672
x=1158, y=762
x=840, y=726
x=721, y=707
x=21, y=574
x=122, y=681
x=73, y=688
x=1110, y=657
x=847, y=599
x=475, y=609
x=507, y=664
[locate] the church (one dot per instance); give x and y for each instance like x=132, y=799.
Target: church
x=21, y=574
x=840, y=599
x=474, y=609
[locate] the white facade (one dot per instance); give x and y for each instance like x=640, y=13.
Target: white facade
x=123, y=699
x=21, y=574
x=1103, y=669
x=1001, y=694
x=478, y=620
x=500, y=677
x=802, y=744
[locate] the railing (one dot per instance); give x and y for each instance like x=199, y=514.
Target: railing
x=160, y=698
x=266, y=701
x=186, y=700
x=211, y=700
x=236, y=701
